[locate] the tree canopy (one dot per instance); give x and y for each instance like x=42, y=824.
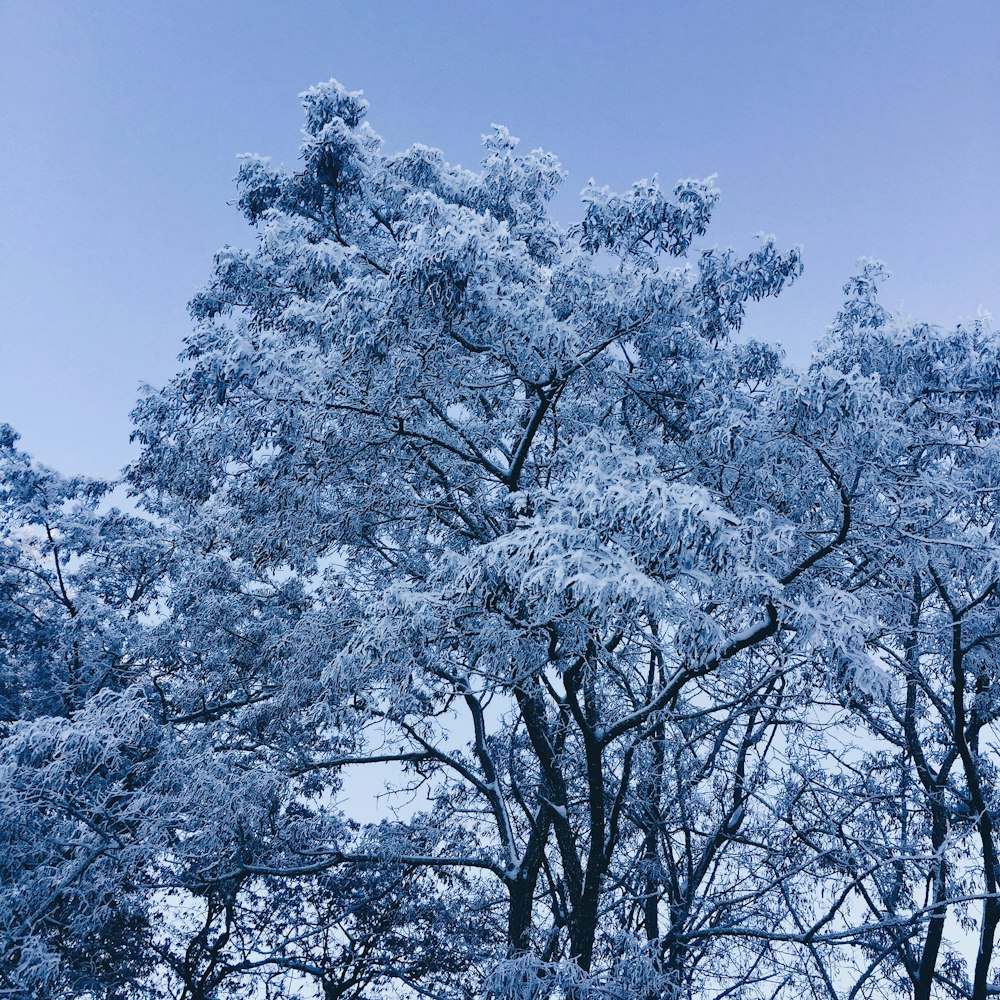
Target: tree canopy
x=495, y=619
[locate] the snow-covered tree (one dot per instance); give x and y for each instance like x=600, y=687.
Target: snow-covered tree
x=906, y=813
x=488, y=438
x=76, y=743
x=672, y=669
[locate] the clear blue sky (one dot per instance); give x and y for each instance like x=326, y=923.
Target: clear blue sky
x=850, y=127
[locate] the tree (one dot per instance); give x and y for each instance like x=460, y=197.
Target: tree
x=76, y=743
x=507, y=519
x=487, y=422
x=913, y=818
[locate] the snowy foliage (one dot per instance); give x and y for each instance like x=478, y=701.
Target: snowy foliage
x=497, y=621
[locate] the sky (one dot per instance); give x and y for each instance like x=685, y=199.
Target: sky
x=851, y=128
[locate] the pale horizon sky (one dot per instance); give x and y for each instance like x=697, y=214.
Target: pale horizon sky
x=852, y=128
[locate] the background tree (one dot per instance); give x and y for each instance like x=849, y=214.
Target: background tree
x=911, y=817
x=76, y=743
